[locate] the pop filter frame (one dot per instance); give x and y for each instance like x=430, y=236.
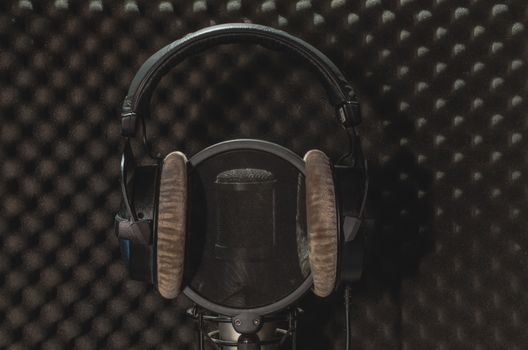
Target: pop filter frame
x=286, y=155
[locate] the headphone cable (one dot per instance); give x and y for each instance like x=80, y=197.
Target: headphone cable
x=348, y=296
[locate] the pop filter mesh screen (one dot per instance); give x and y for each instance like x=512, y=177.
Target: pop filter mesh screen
x=247, y=229
x=245, y=215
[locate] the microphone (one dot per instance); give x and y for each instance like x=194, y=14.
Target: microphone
x=245, y=242
x=245, y=215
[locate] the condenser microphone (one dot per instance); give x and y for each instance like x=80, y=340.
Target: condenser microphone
x=246, y=238
x=245, y=215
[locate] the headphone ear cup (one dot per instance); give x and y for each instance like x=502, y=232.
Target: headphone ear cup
x=171, y=230
x=322, y=225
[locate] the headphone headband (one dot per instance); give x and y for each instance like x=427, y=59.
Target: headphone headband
x=338, y=88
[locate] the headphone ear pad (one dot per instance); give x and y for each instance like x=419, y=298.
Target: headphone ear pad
x=322, y=222
x=171, y=227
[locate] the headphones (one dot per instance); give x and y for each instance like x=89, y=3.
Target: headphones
x=152, y=223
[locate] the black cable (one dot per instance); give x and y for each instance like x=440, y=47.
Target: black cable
x=201, y=333
x=348, y=296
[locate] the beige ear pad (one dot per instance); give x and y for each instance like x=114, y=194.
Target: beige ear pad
x=171, y=230
x=321, y=215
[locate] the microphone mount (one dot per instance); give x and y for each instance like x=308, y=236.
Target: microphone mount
x=247, y=327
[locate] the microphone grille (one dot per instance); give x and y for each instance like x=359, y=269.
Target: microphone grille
x=248, y=175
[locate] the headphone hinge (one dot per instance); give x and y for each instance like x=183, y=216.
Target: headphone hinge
x=137, y=232
x=349, y=113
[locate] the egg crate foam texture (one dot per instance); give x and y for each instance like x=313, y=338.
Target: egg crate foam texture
x=443, y=85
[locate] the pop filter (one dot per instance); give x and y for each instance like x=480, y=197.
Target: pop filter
x=246, y=224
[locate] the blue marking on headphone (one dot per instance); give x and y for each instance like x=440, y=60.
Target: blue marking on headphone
x=124, y=245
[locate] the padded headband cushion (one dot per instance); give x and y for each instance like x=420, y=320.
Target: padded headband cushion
x=136, y=103
x=172, y=224
x=321, y=213
x=147, y=77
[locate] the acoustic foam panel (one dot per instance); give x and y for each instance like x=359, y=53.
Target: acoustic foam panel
x=444, y=90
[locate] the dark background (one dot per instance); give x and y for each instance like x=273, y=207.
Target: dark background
x=444, y=91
